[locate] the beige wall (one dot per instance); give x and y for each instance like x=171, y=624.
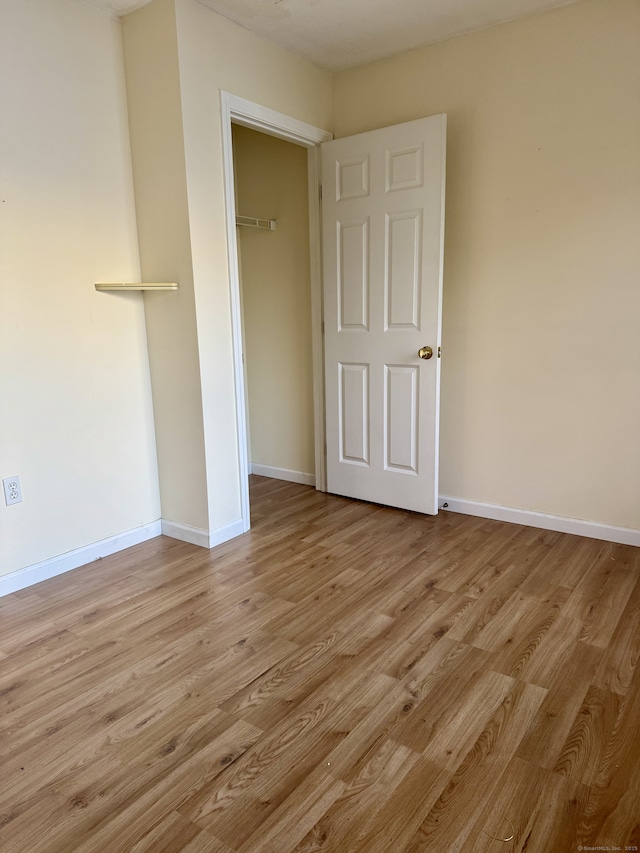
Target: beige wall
x=155, y=119
x=271, y=181
x=75, y=403
x=540, y=377
x=213, y=54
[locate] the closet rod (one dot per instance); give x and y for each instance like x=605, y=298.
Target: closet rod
x=252, y=222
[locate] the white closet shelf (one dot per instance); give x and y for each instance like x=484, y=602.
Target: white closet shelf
x=145, y=285
x=252, y=222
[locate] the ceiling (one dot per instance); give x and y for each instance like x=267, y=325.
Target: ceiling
x=338, y=34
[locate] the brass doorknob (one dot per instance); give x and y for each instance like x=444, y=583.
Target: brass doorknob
x=425, y=352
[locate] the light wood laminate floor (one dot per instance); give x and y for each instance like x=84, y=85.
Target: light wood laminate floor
x=345, y=677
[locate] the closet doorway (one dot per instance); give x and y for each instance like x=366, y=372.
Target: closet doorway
x=272, y=216
x=236, y=111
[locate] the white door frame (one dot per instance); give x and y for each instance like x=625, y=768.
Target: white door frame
x=249, y=114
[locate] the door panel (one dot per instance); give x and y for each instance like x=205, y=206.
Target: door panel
x=402, y=282
x=383, y=225
x=353, y=275
x=401, y=418
x=354, y=413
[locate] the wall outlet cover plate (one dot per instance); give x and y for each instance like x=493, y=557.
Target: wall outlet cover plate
x=12, y=490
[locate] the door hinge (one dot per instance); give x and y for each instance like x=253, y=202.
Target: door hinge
x=320, y=188
x=439, y=352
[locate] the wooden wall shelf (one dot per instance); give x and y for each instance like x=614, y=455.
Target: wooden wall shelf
x=172, y=285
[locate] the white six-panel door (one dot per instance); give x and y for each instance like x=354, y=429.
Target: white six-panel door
x=383, y=226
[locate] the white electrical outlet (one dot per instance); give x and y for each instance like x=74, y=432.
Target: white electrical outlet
x=12, y=490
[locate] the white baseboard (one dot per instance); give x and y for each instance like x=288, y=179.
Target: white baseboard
x=74, y=559
x=283, y=474
x=203, y=538
x=592, y=529
x=30, y=575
